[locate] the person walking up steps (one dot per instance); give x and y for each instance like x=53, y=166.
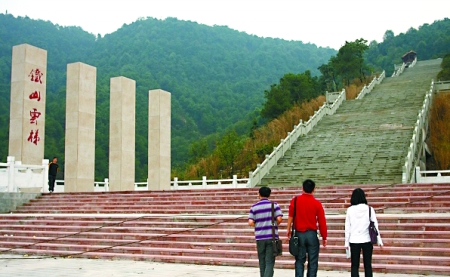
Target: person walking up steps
x=309, y=214
x=260, y=217
x=357, y=236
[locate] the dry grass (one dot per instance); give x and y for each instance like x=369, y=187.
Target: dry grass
x=355, y=87
x=265, y=139
x=440, y=131
x=254, y=150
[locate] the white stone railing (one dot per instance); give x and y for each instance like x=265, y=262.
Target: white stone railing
x=369, y=88
x=417, y=140
x=299, y=130
x=17, y=177
x=210, y=184
x=432, y=176
x=413, y=62
x=443, y=85
x=398, y=69
x=98, y=186
x=174, y=185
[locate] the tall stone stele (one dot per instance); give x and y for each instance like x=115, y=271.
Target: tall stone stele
x=159, y=141
x=122, y=125
x=27, y=110
x=79, y=169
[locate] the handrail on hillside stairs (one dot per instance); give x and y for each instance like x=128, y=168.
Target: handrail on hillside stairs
x=417, y=143
x=368, y=89
x=336, y=98
x=398, y=69
x=432, y=176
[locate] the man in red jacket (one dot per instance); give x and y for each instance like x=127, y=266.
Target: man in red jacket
x=309, y=216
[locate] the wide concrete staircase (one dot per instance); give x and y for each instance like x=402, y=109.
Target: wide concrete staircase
x=210, y=226
x=366, y=141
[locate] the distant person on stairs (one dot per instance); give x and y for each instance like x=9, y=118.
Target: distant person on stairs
x=309, y=217
x=260, y=217
x=357, y=233
x=53, y=168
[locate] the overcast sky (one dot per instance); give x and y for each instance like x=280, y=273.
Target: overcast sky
x=322, y=22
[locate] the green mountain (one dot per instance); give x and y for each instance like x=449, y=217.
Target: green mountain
x=217, y=77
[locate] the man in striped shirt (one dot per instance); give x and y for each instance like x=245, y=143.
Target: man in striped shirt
x=260, y=217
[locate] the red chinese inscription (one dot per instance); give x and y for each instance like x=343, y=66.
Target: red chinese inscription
x=36, y=75
x=34, y=137
x=36, y=95
x=34, y=115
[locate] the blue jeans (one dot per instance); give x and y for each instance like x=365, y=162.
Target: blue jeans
x=309, y=244
x=265, y=257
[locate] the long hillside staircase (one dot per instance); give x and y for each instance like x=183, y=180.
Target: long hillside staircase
x=365, y=141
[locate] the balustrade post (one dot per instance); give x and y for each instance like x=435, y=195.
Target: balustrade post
x=106, y=184
x=45, y=175
x=235, y=181
x=418, y=174
x=10, y=160
x=250, y=179
x=175, y=183
x=204, y=184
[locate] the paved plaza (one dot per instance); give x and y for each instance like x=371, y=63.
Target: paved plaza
x=34, y=266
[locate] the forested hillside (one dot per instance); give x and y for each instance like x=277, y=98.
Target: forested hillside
x=429, y=41
x=217, y=77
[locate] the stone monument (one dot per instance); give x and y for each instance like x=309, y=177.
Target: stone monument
x=122, y=134
x=79, y=168
x=27, y=112
x=159, y=146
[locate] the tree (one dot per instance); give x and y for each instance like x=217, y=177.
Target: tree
x=228, y=149
x=293, y=88
x=349, y=62
x=198, y=150
x=388, y=35
x=329, y=74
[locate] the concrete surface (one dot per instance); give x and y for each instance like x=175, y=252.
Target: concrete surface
x=19, y=265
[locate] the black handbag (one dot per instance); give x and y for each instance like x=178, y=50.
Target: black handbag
x=294, y=247
x=276, y=243
x=373, y=232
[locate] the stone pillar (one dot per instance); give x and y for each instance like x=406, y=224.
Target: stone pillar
x=122, y=134
x=27, y=112
x=79, y=168
x=159, y=142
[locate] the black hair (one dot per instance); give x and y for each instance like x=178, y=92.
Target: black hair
x=358, y=197
x=308, y=186
x=265, y=191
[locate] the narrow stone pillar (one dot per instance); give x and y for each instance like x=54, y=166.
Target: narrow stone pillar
x=27, y=110
x=159, y=143
x=79, y=167
x=122, y=134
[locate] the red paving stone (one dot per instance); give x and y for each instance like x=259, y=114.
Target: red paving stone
x=151, y=226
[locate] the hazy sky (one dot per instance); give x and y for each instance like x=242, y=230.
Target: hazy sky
x=322, y=22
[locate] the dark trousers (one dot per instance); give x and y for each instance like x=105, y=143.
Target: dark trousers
x=367, y=250
x=309, y=244
x=51, y=182
x=265, y=257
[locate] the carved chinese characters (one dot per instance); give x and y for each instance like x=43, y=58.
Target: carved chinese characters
x=36, y=77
